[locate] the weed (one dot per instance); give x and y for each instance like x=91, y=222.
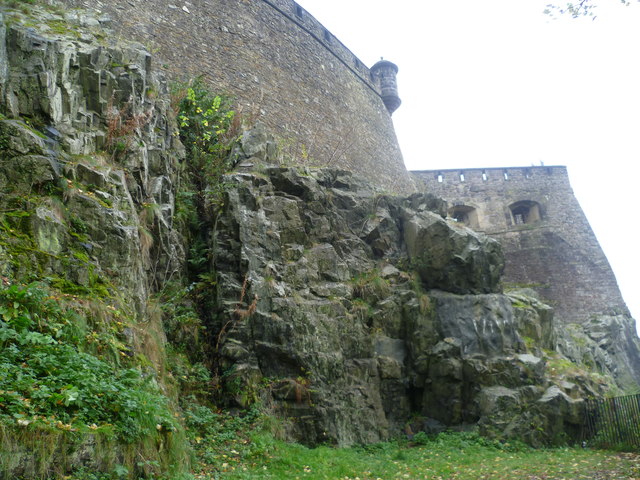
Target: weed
x=208, y=129
x=370, y=286
x=122, y=124
x=55, y=377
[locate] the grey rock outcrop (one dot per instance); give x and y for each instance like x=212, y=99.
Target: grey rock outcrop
x=605, y=343
x=86, y=205
x=453, y=259
x=360, y=324
x=108, y=149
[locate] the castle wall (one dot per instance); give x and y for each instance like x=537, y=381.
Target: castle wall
x=547, y=239
x=284, y=68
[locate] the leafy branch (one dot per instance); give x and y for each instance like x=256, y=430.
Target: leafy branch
x=208, y=128
x=582, y=8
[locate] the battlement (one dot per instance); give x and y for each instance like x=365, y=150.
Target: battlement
x=493, y=175
x=295, y=13
x=284, y=68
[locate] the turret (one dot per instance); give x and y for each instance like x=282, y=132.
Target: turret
x=384, y=75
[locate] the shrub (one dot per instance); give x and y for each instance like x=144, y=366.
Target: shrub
x=208, y=129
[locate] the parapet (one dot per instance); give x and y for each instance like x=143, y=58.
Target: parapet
x=444, y=178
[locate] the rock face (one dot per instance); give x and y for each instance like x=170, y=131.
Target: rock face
x=88, y=162
x=370, y=309
x=605, y=343
x=108, y=149
x=353, y=314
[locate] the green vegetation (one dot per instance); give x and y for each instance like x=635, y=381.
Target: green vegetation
x=208, y=129
x=49, y=375
x=370, y=286
x=460, y=456
x=63, y=378
x=560, y=369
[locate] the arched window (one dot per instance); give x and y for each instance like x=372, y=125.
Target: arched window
x=465, y=215
x=525, y=211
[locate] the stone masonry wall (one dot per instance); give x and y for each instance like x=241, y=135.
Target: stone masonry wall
x=284, y=68
x=555, y=250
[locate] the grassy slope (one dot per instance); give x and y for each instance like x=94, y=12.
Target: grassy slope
x=449, y=456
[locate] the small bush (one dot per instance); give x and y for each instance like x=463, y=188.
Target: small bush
x=208, y=128
x=46, y=377
x=55, y=384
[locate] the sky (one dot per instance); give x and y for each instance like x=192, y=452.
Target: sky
x=497, y=83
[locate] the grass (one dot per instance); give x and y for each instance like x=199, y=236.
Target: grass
x=460, y=456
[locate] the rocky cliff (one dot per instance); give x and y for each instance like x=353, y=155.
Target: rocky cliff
x=88, y=168
x=371, y=303
x=351, y=315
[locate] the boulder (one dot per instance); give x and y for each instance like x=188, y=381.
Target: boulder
x=455, y=259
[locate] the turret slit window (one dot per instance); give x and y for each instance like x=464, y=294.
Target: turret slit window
x=299, y=11
x=327, y=35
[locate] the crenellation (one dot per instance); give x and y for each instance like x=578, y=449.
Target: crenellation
x=482, y=176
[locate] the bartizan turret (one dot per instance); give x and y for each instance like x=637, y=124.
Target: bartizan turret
x=384, y=76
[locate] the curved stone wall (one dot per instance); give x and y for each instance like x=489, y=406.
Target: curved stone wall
x=284, y=68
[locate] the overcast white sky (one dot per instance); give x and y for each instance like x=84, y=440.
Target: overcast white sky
x=497, y=83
